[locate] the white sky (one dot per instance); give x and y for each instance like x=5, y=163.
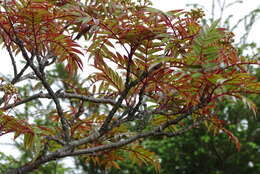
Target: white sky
x=239, y=10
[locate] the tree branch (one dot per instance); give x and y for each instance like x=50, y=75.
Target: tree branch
x=181, y=131
x=63, y=96
x=17, y=77
x=145, y=74
x=13, y=60
x=95, y=135
x=40, y=75
x=68, y=149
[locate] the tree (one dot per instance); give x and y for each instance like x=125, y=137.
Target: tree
x=186, y=154
x=155, y=74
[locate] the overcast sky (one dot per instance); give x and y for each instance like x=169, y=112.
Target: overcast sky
x=238, y=10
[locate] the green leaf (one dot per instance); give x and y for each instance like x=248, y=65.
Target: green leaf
x=153, y=10
x=250, y=104
x=194, y=66
x=38, y=1
x=151, y=51
x=210, y=65
x=28, y=140
x=196, y=75
x=203, y=43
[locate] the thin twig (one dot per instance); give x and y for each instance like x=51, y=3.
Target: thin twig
x=13, y=60
x=63, y=96
x=17, y=77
